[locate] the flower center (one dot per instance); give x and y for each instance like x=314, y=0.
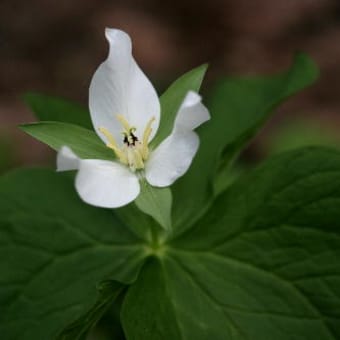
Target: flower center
x=134, y=152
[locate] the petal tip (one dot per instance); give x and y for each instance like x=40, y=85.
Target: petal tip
x=192, y=112
x=192, y=98
x=114, y=35
x=67, y=159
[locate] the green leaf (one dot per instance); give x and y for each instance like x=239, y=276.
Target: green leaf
x=297, y=133
x=54, y=249
x=47, y=108
x=239, y=107
x=159, y=322
x=263, y=263
x=172, y=99
x=156, y=202
x=226, y=178
x=78, y=330
x=85, y=143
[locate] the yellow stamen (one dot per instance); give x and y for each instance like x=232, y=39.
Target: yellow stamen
x=113, y=145
x=134, y=152
x=108, y=135
x=146, y=136
x=125, y=123
x=148, y=131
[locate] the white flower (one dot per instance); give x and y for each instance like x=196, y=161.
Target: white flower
x=125, y=113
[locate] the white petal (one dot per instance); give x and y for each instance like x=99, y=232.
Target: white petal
x=192, y=112
x=106, y=184
x=120, y=87
x=172, y=158
x=67, y=159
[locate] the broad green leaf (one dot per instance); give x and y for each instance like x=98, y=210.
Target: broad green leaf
x=54, y=250
x=78, y=330
x=226, y=178
x=157, y=319
x=156, y=202
x=172, y=99
x=7, y=152
x=263, y=263
x=47, y=108
x=239, y=107
x=85, y=143
x=297, y=133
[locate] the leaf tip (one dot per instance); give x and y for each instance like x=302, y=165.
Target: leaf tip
x=307, y=65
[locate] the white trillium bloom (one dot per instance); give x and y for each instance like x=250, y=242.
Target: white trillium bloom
x=125, y=113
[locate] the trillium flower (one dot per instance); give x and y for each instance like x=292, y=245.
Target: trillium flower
x=125, y=113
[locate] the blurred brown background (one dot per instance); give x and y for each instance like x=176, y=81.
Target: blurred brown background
x=54, y=47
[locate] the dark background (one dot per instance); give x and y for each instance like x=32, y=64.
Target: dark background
x=54, y=47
